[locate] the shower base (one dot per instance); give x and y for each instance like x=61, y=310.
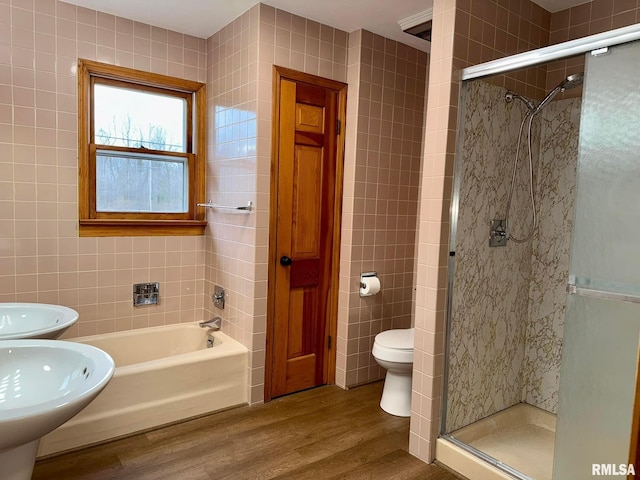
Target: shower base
x=521, y=437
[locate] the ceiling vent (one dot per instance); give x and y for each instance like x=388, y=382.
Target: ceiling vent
x=418, y=25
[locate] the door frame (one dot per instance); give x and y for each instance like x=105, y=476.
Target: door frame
x=279, y=74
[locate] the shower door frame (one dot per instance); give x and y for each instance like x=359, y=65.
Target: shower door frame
x=504, y=65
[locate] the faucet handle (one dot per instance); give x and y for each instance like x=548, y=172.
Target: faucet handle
x=218, y=297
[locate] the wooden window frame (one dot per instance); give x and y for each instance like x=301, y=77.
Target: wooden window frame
x=98, y=224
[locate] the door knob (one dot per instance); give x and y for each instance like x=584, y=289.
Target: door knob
x=285, y=261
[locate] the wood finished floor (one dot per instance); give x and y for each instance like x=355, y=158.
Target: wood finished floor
x=323, y=433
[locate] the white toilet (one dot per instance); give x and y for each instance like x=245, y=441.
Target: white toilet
x=393, y=350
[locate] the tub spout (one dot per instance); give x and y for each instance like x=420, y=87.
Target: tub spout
x=214, y=324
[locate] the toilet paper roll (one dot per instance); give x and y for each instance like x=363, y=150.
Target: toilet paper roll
x=371, y=286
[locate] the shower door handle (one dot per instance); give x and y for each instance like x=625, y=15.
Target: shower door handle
x=573, y=289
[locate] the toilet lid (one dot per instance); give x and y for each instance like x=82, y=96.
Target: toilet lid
x=400, y=339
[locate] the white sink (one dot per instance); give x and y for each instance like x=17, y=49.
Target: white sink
x=34, y=320
x=43, y=383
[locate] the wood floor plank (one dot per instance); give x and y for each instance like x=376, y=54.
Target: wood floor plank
x=395, y=465
x=318, y=445
x=317, y=434
x=348, y=459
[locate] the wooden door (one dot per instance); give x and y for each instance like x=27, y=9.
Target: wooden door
x=305, y=203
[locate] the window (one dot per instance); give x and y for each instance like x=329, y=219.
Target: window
x=141, y=152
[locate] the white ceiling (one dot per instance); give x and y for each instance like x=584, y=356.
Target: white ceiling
x=557, y=5
x=203, y=18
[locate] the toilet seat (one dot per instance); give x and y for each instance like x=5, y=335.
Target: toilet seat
x=394, y=346
x=400, y=339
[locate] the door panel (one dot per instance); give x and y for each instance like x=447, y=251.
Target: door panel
x=305, y=272
x=307, y=162
x=307, y=201
x=309, y=118
x=298, y=341
x=300, y=372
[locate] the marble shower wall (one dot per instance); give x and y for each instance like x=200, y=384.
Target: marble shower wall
x=491, y=285
x=508, y=303
x=559, y=129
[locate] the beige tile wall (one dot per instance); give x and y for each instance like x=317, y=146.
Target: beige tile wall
x=41, y=257
x=487, y=30
x=382, y=171
x=231, y=236
x=294, y=42
x=591, y=18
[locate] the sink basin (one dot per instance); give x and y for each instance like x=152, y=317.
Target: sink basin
x=34, y=320
x=43, y=383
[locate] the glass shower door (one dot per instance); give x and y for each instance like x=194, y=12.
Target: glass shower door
x=602, y=324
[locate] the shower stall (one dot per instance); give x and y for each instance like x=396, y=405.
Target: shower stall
x=543, y=319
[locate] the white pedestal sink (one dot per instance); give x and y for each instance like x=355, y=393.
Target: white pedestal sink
x=43, y=383
x=34, y=320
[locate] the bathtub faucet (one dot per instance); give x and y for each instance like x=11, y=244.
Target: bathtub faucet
x=214, y=324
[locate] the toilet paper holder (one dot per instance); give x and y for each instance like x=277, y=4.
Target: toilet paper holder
x=364, y=285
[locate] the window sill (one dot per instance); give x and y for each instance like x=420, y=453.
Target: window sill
x=137, y=228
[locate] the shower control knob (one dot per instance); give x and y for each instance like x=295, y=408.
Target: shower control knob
x=285, y=261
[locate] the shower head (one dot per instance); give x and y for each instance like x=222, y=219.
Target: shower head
x=572, y=81
x=511, y=96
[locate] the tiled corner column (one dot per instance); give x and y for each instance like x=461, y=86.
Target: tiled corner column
x=433, y=233
x=346, y=343
x=232, y=177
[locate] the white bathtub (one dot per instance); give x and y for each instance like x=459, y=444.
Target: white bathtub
x=163, y=374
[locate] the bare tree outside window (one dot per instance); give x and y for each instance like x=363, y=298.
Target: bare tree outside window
x=140, y=181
